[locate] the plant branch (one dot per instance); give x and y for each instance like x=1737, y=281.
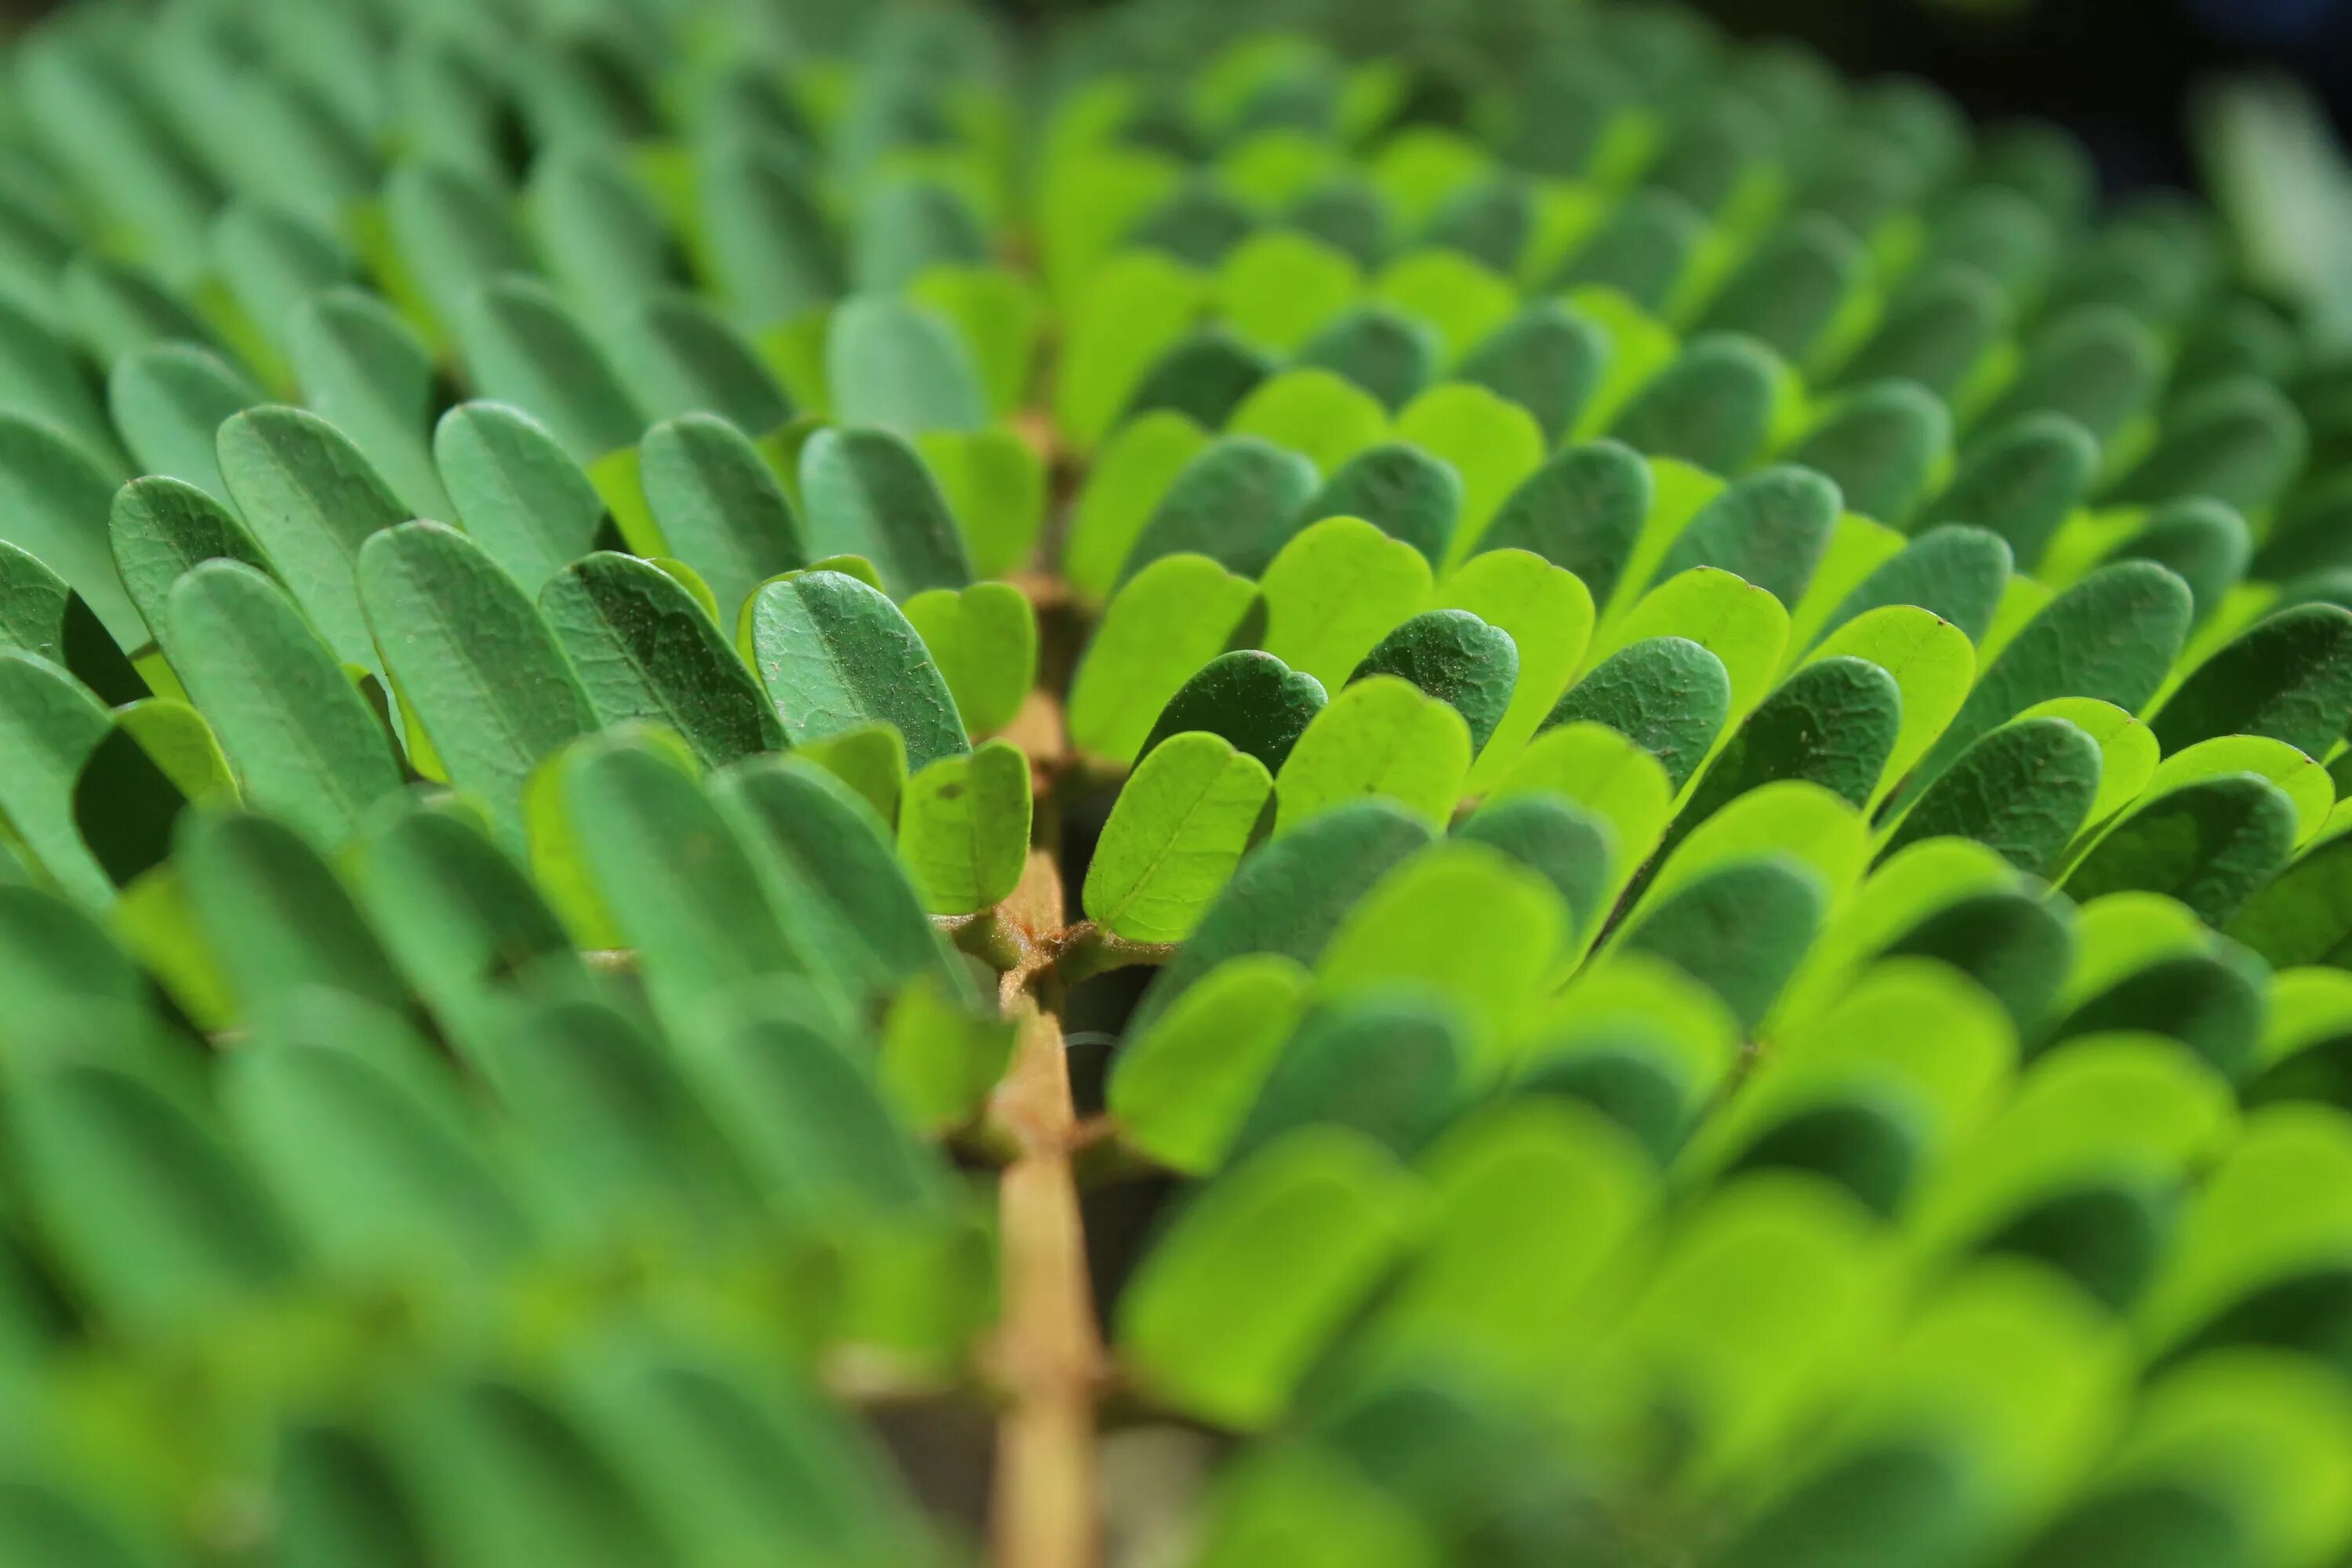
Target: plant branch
x=1049, y=1350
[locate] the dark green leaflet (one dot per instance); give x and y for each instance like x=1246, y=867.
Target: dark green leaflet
x=523, y=347
x=41, y=378
x=602, y=234
x=834, y=654
x=908, y=226
x=272, y=260
x=768, y=248
x=1389, y=1068
x=1642, y=250
x=455, y=234
x=2099, y=367
x=518, y=494
x=677, y=356
x=1935, y=332
x=1833, y=723
x=720, y=508
x=1204, y=378
x=2018, y=946
x=2025, y=789
x=53, y=502
x=1251, y=699
x=2205, y=543
x=1880, y=447
x=1401, y=490
x=867, y=493
x=2211, y=1002
x=1713, y=406
x=1790, y=287
x=2289, y=676
x=2020, y=482
x=1387, y=352
x=1237, y=503
x=1583, y=509
x=1769, y=529
x=1740, y=930
x=118, y=310
x=1566, y=844
x=363, y=371
x=898, y=367
x=1667, y=695
x=644, y=650
x=1547, y=360
x=1456, y=658
x=2212, y=846
x=49, y=724
x=159, y=527
x=40, y=615
x=2239, y=441
x=1953, y=571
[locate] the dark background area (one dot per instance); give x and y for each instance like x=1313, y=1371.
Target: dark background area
x=2116, y=72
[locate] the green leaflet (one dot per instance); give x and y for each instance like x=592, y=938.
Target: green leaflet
x=897, y=367
x=1245, y=1290
x=1123, y=487
x=168, y=400
x=843, y=897
x=1936, y=331
x=1237, y=502
x=43, y=380
x=455, y=235
x=2290, y=678
x=1335, y=590
x=53, y=497
x=766, y=249
x=1547, y=360
x=1291, y=892
x=1932, y=664
x=519, y=495
x=720, y=506
x=272, y=260
x=995, y=486
x=2305, y=782
x=1178, y=828
x=1456, y=658
x=1409, y=495
x=2024, y=789
x=1492, y=445
x=51, y=724
x=1465, y=921
x=998, y=315
x=1392, y=1068
x=676, y=356
x=1182, y=1086
x=2238, y=442
x=2211, y=846
x=2100, y=367
x=984, y=640
x=833, y=653
x=523, y=347
x=155, y=1219
x=1790, y=287
x=1833, y=723
x=673, y=870
x=1881, y=448
x=1954, y=570
x=1775, y=903
x=1667, y=695
x=39, y=615
x=1571, y=848
x=1131, y=312
x=963, y=828
x=2111, y=637
x=1381, y=736
x=363, y=371
x=474, y=662
x=1466, y=303
x=159, y=757
x=2020, y=480
x=1249, y=698
x=602, y=236
x=311, y=501
x=1388, y=353
x=643, y=648
x=1278, y=287
x=1768, y=529
x=1641, y=249
x=2305, y=916
x=1205, y=378
x=117, y=308
x=276, y=920
x=1712, y=407
x=303, y=741
x=866, y=493
x=1164, y=624
x=2205, y=543
x=1583, y=511
x=1740, y=623
x=1320, y=416
x=941, y=1058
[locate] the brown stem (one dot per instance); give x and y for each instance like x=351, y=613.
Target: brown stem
x=1049, y=1352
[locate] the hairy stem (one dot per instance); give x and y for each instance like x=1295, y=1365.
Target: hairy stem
x=1050, y=1352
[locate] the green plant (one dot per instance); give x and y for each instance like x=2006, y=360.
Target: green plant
x=1686, y=720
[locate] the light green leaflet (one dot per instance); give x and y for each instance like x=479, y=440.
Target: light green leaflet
x=963, y=828
x=719, y=507
x=1335, y=590
x=644, y=650
x=998, y=314
x=311, y=499
x=1277, y=288
x=898, y=367
x=1314, y=412
x=1465, y=301
x=53, y=503
x=1174, y=836
x=169, y=400
x=363, y=371
x=305, y=743
x=1133, y=470
x=867, y=760
x=1379, y=736
x=159, y=527
x=1134, y=310
x=1932, y=663
x=1170, y=619
x=984, y=640
x=1246, y=1289
x=866, y=492
x=1547, y=614
x=1492, y=444
x=1742, y=626
x=523, y=347
x=472, y=660
x=995, y=485
x=1182, y=1087
x=50, y=724
x=520, y=496
x=1613, y=777
x=834, y=654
